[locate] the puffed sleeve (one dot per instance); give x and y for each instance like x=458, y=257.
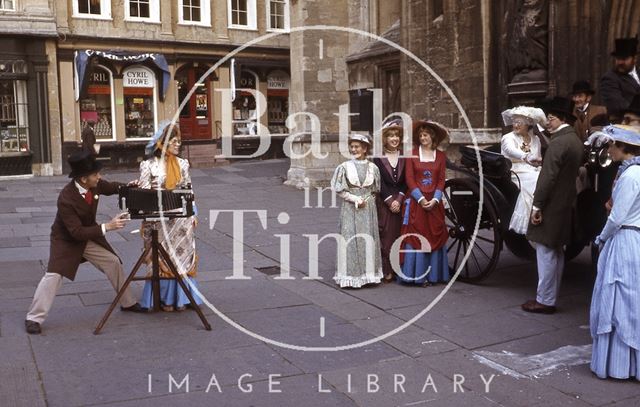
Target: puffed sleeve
x=510, y=149
x=376, y=178
x=340, y=185
x=626, y=193
x=145, y=175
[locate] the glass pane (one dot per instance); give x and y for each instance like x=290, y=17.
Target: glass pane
x=83, y=6
x=96, y=106
x=94, y=6
x=242, y=18
x=144, y=10
x=195, y=14
x=183, y=89
x=186, y=13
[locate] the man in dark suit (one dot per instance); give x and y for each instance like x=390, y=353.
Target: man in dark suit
x=584, y=110
x=76, y=237
x=631, y=115
x=621, y=84
x=553, y=199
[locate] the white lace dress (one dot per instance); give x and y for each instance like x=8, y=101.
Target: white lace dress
x=524, y=175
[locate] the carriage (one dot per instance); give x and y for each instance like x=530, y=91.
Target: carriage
x=462, y=204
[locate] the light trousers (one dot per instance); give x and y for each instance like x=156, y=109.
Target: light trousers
x=50, y=283
x=550, y=268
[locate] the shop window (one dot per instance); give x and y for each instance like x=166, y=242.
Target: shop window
x=139, y=88
x=92, y=8
x=278, y=14
x=194, y=12
x=242, y=14
x=14, y=124
x=142, y=10
x=277, y=101
x=7, y=5
x=97, y=105
x=244, y=106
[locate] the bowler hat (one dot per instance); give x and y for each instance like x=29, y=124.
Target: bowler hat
x=625, y=47
x=82, y=164
x=560, y=105
x=634, y=107
x=582, y=87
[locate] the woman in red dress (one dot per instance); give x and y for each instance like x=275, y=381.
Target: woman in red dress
x=423, y=225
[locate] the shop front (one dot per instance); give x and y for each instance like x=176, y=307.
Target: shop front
x=24, y=115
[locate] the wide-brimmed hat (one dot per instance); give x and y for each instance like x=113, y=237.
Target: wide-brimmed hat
x=440, y=132
x=83, y=163
x=623, y=134
x=560, y=105
x=582, y=87
x=625, y=47
x=363, y=138
x=533, y=115
x=634, y=107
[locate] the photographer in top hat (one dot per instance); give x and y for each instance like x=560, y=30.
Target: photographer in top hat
x=76, y=237
x=619, y=85
x=553, y=199
x=584, y=110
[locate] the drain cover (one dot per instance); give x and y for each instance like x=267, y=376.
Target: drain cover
x=270, y=270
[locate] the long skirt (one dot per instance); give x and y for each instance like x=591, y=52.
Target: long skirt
x=615, y=306
x=420, y=267
x=522, y=211
x=389, y=225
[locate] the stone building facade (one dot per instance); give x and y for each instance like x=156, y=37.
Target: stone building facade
x=29, y=108
x=122, y=67
x=491, y=54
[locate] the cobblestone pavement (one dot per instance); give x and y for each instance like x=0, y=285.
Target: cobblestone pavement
x=474, y=335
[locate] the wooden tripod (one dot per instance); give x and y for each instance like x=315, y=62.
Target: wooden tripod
x=156, y=251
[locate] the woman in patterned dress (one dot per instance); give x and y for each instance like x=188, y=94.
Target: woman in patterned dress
x=423, y=225
x=523, y=148
x=357, y=181
x=615, y=303
x=168, y=171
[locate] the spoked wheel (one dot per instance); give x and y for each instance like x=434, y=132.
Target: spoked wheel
x=461, y=199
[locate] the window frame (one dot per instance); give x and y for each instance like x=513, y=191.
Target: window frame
x=105, y=11
x=13, y=2
x=112, y=107
x=205, y=14
x=286, y=17
x=154, y=13
x=155, y=101
x=252, y=20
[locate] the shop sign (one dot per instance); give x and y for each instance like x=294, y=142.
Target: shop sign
x=278, y=80
x=137, y=78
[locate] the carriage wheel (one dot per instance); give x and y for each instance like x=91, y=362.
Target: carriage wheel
x=461, y=199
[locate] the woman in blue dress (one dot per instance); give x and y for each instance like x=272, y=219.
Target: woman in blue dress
x=615, y=304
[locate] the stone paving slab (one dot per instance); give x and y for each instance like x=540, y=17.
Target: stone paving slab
x=67, y=365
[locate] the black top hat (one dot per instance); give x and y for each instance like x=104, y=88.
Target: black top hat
x=582, y=87
x=625, y=47
x=82, y=164
x=634, y=107
x=560, y=105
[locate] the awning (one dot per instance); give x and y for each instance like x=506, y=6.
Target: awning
x=82, y=59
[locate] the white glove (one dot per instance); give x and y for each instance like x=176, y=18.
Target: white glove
x=597, y=139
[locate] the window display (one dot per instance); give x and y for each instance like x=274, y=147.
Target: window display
x=139, y=107
x=96, y=106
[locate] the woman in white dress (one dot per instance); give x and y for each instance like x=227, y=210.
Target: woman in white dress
x=357, y=182
x=522, y=147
